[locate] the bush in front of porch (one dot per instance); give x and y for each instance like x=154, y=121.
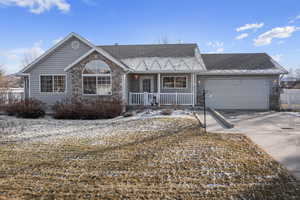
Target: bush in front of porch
x=86, y=109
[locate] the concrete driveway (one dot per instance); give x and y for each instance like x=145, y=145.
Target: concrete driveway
x=278, y=133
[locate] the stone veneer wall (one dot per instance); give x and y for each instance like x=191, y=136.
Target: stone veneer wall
x=116, y=75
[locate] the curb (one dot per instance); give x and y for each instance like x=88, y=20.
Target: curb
x=220, y=118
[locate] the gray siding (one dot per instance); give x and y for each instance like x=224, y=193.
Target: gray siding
x=134, y=84
x=55, y=63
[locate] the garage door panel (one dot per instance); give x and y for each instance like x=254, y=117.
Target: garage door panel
x=238, y=94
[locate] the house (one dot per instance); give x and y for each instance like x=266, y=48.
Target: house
x=162, y=74
x=290, y=82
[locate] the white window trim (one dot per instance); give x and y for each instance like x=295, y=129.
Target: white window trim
x=53, y=83
x=175, y=88
x=96, y=75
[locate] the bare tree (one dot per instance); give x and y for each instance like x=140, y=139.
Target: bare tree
x=297, y=72
x=163, y=40
x=166, y=40
x=28, y=58
x=3, y=86
x=2, y=77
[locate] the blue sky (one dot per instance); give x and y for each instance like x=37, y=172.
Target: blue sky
x=29, y=27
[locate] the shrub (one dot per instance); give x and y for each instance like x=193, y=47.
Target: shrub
x=29, y=108
x=166, y=112
x=87, y=109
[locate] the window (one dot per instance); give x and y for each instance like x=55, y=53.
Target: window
x=174, y=82
x=53, y=83
x=96, y=77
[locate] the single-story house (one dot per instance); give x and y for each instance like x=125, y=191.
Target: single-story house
x=155, y=74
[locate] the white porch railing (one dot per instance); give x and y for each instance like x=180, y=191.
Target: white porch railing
x=161, y=98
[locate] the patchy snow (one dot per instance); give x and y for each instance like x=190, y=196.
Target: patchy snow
x=47, y=129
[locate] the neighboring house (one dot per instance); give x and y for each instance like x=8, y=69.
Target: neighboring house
x=290, y=82
x=8, y=95
x=163, y=74
x=296, y=85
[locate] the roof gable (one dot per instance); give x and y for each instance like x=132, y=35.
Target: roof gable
x=62, y=42
x=56, y=46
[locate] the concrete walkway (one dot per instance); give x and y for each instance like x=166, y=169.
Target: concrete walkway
x=278, y=133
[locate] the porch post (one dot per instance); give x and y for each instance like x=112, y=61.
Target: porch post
x=193, y=83
x=158, y=88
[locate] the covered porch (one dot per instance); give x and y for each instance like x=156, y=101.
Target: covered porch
x=161, y=89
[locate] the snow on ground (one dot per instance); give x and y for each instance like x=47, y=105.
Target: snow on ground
x=13, y=130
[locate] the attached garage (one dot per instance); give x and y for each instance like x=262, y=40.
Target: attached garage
x=238, y=93
x=242, y=81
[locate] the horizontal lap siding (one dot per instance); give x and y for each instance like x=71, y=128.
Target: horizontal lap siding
x=55, y=63
x=134, y=84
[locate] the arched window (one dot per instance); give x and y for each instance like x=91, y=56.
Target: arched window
x=96, y=77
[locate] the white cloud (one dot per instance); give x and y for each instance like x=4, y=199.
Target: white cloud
x=57, y=40
x=218, y=46
x=293, y=20
x=278, y=32
x=38, y=6
x=277, y=57
x=242, y=36
x=14, y=59
x=250, y=26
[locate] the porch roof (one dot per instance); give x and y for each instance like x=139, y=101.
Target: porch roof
x=158, y=57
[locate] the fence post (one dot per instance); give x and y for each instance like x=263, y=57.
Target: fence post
x=145, y=99
x=176, y=98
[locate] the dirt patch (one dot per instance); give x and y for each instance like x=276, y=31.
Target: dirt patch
x=154, y=164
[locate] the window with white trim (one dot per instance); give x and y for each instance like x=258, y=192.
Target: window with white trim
x=174, y=82
x=53, y=83
x=96, y=78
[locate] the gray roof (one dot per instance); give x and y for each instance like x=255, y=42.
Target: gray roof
x=150, y=50
x=238, y=61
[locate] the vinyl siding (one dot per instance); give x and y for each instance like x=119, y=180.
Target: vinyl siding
x=55, y=63
x=134, y=84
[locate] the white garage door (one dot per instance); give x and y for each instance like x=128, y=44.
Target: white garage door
x=237, y=93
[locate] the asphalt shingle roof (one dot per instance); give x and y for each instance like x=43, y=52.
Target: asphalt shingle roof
x=151, y=50
x=238, y=61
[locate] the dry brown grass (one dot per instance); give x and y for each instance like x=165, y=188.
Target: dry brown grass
x=180, y=164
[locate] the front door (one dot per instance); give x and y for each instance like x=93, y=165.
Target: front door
x=146, y=84
x=146, y=87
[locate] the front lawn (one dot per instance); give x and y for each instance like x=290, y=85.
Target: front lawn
x=178, y=164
